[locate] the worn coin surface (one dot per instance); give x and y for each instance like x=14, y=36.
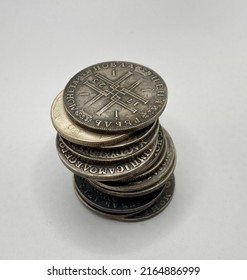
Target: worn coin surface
x=97, y=171
x=93, y=154
x=113, y=204
x=115, y=96
x=150, y=184
x=148, y=180
x=158, y=206
x=164, y=154
x=74, y=133
x=116, y=216
x=134, y=137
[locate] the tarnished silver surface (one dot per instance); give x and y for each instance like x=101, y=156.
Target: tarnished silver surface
x=76, y=134
x=148, y=180
x=149, y=186
x=109, y=136
x=103, y=172
x=111, y=155
x=134, y=137
x=163, y=156
x=113, y=204
x=160, y=150
x=158, y=206
x=115, y=216
x=115, y=96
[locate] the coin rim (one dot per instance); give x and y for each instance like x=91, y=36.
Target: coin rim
x=130, y=217
x=111, y=210
x=151, y=138
x=126, y=188
x=116, y=130
x=111, y=138
x=95, y=176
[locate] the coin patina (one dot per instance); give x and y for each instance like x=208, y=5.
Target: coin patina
x=103, y=155
x=115, y=96
x=150, y=178
x=77, y=134
x=158, y=206
x=110, y=137
x=110, y=203
x=98, y=171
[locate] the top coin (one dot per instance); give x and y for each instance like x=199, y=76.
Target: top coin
x=115, y=97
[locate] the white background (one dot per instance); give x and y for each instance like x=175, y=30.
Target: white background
x=200, y=49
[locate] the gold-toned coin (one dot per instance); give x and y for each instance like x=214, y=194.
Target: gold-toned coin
x=76, y=134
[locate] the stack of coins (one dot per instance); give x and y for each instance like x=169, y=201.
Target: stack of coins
x=110, y=137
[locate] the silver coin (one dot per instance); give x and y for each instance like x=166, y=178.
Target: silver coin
x=112, y=154
x=160, y=150
x=158, y=206
x=115, y=96
x=76, y=134
x=155, y=184
x=152, y=178
x=113, y=204
x=134, y=137
x=165, y=151
x=117, y=216
x=110, y=171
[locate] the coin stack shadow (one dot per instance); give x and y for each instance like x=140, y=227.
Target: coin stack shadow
x=127, y=177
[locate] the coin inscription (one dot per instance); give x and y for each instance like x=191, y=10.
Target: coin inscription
x=111, y=203
x=102, y=172
x=114, y=154
x=110, y=137
x=150, y=179
x=158, y=206
x=76, y=134
x=115, y=96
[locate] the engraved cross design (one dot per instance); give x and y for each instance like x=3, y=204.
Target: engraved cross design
x=115, y=99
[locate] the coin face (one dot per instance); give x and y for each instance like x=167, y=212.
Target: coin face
x=115, y=97
x=75, y=133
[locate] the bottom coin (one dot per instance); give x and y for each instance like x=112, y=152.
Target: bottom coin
x=155, y=208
